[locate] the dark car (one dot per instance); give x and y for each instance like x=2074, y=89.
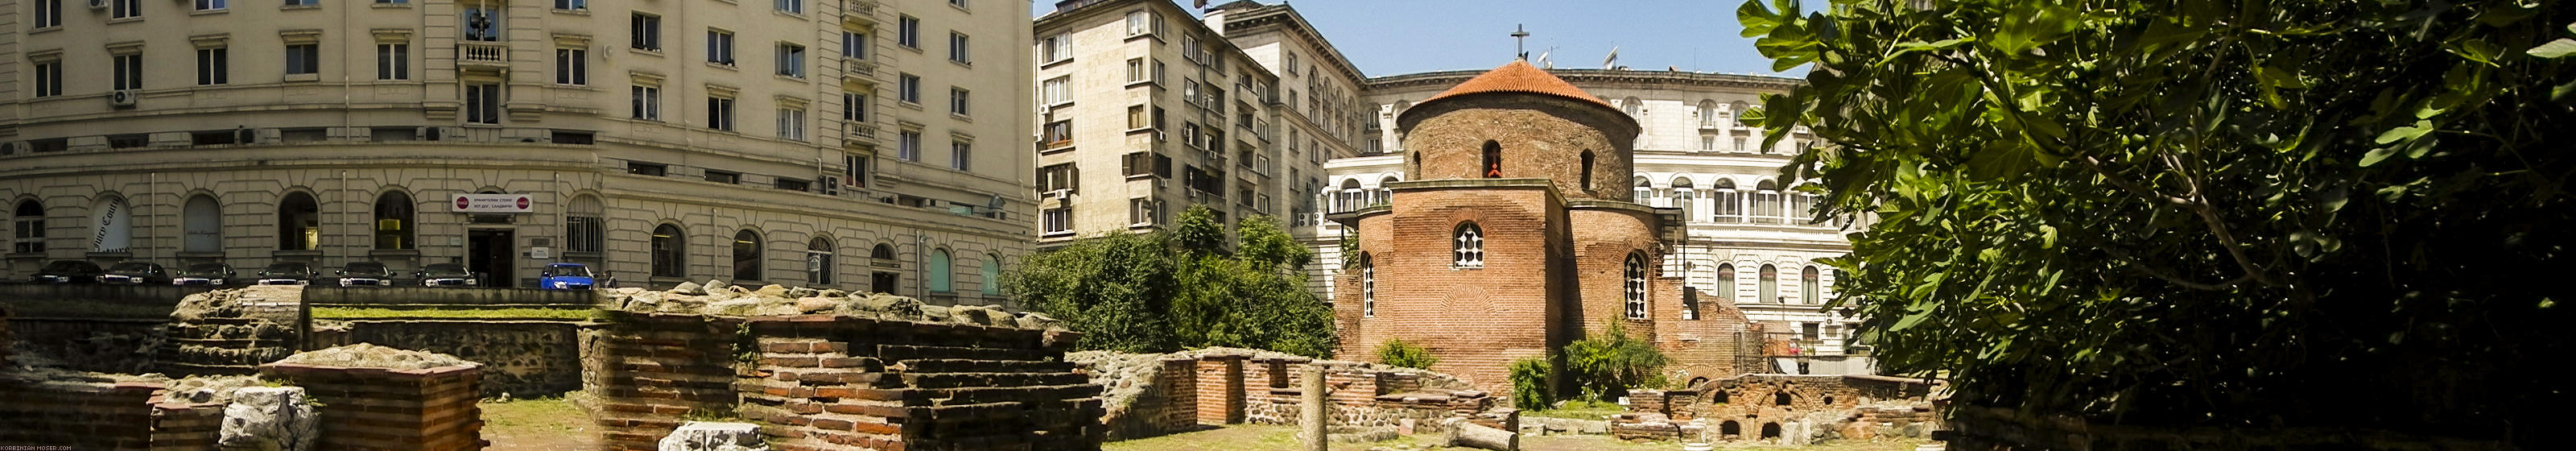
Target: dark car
x=447, y=275
x=135, y=273
x=216, y=274
x=68, y=271
x=365, y=274
x=565, y=276
x=286, y=273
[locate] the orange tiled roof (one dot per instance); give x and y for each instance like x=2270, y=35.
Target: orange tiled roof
x=1519, y=76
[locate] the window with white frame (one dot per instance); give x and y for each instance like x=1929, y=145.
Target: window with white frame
x=1055, y=48
x=1368, y=286
x=1636, y=292
x=572, y=66
x=907, y=88
x=958, y=51
x=1144, y=23
x=907, y=145
x=958, y=102
x=129, y=71
x=49, y=13
x=393, y=61
x=1136, y=70
x=1055, y=90
x=303, y=59
x=1769, y=290
x=907, y=31
x=120, y=9
x=49, y=79
x=720, y=113
x=575, y=5
x=791, y=60
x=483, y=103
x=854, y=44
x=212, y=5
x=789, y=6
x=645, y=102
x=644, y=32
x=961, y=154
x=1467, y=249
x=854, y=107
x=791, y=123
x=1057, y=220
x=213, y=66
x=720, y=47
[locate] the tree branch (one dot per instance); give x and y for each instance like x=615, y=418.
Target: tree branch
x=2151, y=271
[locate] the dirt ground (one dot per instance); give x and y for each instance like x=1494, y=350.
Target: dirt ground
x=1284, y=438
x=542, y=424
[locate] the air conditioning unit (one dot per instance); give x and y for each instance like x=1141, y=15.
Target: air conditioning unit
x=1057, y=194
x=831, y=185
x=122, y=98
x=431, y=133
x=97, y=4
x=1158, y=136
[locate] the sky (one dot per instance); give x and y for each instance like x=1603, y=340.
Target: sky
x=1392, y=37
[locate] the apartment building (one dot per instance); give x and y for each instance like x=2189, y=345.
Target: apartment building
x=849, y=143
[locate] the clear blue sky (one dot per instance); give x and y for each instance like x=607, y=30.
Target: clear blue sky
x=1389, y=37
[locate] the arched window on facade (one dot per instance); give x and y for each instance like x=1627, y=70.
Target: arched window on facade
x=1770, y=289
x=1493, y=160
x=1645, y=190
x=1708, y=113
x=1807, y=286
x=1401, y=105
x=1350, y=197
x=393, y=221
x=1636, y=286
x=940, y=280
x=670, y=251
x=1587, y=170
x=883, y=277
x=1726, y=202
x=201, y=225
x=1726, y=281
x=1384, y=195
x=111, y=225
x=1635, y=108
x=746, y=255
x=27, y=224
x=1468, y=248
x=1683, y=196
x=299, y=223
x=1736, y=111
x=992, y=275
x=818, y=261
x=1766, y=203
x=1368, y=286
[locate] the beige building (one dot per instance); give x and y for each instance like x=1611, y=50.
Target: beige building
x=1144, y=110
x=849, y=143
x=1747, y=236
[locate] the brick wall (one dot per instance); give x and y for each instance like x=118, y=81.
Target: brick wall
x=391, y=409
x=1217, y=387
x=1754, y=400
x=1540, y=136
x=824, y=382
x=1357, y=396
x=102, y=415
x=1476, y=321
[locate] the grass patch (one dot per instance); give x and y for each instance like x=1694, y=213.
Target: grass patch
x=367, y=313
x=1579, y=410
x=549, y=414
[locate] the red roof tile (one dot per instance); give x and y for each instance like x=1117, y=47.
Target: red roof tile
x=1519, y=76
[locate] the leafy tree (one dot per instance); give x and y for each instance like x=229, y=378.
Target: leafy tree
x=1529, y=384
x=1168, y=291
x=1399, y=353
x=1606, y=365
x=2198, y=212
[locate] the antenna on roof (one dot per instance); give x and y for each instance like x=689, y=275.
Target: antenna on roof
x=1519, y=37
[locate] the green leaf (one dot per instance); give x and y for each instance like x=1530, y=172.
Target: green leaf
x=2555, y=49
x=2334, y=198
x=1758, y=20
x=2420, y=128
x=2047, y=236
x=2481, y=51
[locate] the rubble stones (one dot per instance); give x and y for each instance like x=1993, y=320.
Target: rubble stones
x=363, y=355
x=209, y=389
x=269, y=419
x=712, y=436
x=716, y=297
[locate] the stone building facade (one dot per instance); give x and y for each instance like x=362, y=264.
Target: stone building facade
x=1518, y=237
x=856, y=144
x=1744, y=235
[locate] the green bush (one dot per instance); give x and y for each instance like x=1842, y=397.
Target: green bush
x=1529, y=384
x=1606, y=365
x=1399, y=353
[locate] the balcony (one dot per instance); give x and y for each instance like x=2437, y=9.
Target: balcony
x=858, y=67
x=861, y=9
x=483, y=54
x=856, y=133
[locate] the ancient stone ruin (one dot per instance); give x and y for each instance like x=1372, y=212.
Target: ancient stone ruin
x=1782, y=408
x=1156, y=394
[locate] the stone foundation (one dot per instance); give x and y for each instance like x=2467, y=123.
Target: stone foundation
x=103, y=415
x=1155, y=394
x=522, y=358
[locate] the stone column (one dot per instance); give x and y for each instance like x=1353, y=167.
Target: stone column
x=1310, y=419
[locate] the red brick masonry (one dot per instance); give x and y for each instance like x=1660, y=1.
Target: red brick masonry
x=429, y=409
x=101, y=415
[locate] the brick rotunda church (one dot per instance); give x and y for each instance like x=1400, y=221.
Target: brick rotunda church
x=1517, y=236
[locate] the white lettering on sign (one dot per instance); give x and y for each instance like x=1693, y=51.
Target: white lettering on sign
x=492, y=203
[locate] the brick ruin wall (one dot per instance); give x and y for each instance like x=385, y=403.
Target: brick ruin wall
x=829, y=382
x=1754, y=406
x=103, y=415
x=1195, y=389
x=391, y=409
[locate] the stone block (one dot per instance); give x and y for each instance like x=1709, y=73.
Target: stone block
x=712, y=436
x=269, y=419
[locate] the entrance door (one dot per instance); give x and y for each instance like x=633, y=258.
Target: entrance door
x=491, y=253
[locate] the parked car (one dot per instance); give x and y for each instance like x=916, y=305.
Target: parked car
x=286, y=273
x=447, y=275
x=135, y=273
x=365, y=274
x=565, y=276
x=217, y=274
x=67, y=271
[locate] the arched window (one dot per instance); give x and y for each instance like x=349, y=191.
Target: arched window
x=201, y=225
x=746, y=255
x=883, y=278
x=882, y=253
x=1771, y=430
x=1468, y=249
x=1708, y=113
x=1636, y=286
x=939, y=272
x=992, y=275
x=1770, y=288
x=1635, y=108
x=1349, y=198
x=1728, y=203
x=670, y=251
x=1645, y=190
x=1728, y=428
x=1726, y=282
x=1384, y=194
x=1368, y=286
x=1807, y=286
x=818, y=261
x=29, y=225
x=111, y=225
x=1683, y=195
x=1736, y=111
x=1401, y=105
x=1766, y=203
x=393, y=220
x=1587, y=170
x=299, y=223
x=1493, y=160
x=586, y=228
